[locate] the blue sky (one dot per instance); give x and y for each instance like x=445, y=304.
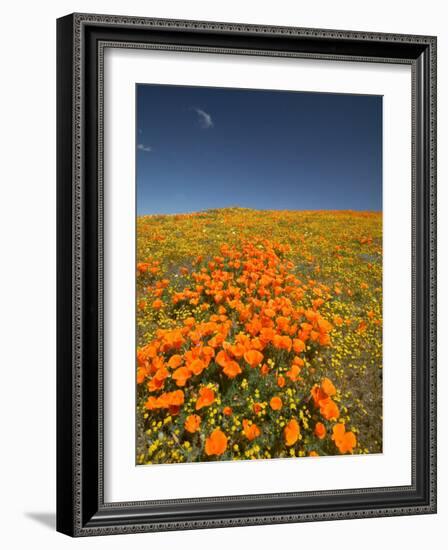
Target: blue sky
x=200, y=148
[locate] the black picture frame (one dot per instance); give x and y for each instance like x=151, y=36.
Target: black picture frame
x=81, y=510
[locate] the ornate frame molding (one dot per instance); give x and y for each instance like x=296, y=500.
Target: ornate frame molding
x=83, y=512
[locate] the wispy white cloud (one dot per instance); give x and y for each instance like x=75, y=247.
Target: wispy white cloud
x=145, y=148
x=205, y=119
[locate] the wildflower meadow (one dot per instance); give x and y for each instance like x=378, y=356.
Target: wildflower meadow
x=259, y=335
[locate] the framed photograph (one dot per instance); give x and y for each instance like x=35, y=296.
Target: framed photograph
x=246, y=274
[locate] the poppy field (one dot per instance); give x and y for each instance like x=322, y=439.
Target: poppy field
x=259, y=335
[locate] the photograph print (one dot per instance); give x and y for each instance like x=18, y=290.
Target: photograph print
x=258, y=274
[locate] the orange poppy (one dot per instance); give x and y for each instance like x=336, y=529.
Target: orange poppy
x=317, y=394
x=192, y=423
x=181, y=375
x=148, y=352
x=282, y=342
x=362, y=326
x=306, y=327
x=281, y=381
x=142, y=267
x=216, y=443
x=227, y=411
x=293, y=373
x=216, y=341
x=251, y=431
x=197, y=366
x=264, y=369
x=329, y=409
x=276, y=403
x=175, y=397
x=207, y=352
x=166, y=400
x=151, y=403
x=232, y=369
x=206, y=398
x=222, y=358
x=345, y=441
x=141, y=374
x=338, y=431
x=298, y=345
x=254, y=327
x=282, y=323
x=253, y=357
x=324, y=326
x=237, y=350
x=291, y=432
x=320, y=430
x=266, y=335
x=155, y=384
x=328, y=387
x=175, y=361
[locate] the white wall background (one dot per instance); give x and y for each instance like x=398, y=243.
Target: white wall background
x=27, y=276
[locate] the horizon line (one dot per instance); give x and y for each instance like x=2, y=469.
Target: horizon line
x=205, y=210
